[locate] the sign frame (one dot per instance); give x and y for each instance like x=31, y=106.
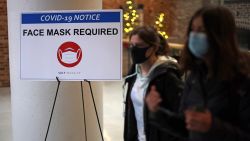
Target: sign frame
x=110, y=42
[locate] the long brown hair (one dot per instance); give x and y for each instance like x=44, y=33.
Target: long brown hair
x=223, y=47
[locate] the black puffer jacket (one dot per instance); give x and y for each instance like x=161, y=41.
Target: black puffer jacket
x=229, y=103
x=166, y=78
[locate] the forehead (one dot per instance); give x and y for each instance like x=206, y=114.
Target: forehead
x=197, y=24
x=136, y=39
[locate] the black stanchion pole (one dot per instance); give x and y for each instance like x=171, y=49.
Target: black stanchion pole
x=52, y=111
x=83, y=108
x=91, y=91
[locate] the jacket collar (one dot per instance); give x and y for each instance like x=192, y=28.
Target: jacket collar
x=163, y=64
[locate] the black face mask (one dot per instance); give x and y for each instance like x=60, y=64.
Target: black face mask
x=138, y=54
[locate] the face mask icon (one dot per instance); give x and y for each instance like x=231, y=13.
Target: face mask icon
x=69, y=56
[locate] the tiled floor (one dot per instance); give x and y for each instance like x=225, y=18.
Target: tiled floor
x=112, y=104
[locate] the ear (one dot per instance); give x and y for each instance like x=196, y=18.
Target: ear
x=151, y=51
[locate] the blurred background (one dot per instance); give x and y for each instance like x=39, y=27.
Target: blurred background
x=170, y=18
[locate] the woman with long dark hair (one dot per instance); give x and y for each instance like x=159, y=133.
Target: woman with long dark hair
x=216, y=98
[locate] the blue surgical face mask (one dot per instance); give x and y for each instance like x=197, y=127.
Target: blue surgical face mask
x=198, y=44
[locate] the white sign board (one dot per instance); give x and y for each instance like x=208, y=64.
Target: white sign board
x=71, y=45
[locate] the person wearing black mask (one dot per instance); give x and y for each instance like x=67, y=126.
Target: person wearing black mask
x=151, y=66
x=216, y=99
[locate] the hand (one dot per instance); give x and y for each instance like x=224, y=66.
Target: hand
x=198, y=121
x=153, y=99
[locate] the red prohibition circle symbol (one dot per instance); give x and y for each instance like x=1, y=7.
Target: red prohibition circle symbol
x=69, y=54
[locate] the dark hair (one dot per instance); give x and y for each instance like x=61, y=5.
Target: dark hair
x=223, y=47
x=164, y=47
x=150, y=36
